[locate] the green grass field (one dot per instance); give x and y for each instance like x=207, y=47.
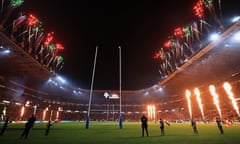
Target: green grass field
x=109, y=133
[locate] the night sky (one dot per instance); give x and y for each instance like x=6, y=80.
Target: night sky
x=139, y=27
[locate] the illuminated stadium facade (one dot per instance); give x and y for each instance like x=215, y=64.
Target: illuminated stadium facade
x=48, y=97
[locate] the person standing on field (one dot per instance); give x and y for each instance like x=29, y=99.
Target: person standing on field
x=144, y=124
x=4, y=126
x=162, y=127
x=219, y=124
x=48, y=128
x=29, y=124
x=194, y=126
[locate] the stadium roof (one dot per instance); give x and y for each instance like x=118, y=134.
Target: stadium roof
x=19, y=64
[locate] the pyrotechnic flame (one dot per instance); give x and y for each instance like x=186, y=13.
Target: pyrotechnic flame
x=228, y=88
x=215, y=99
x=22, y=111
x=151, y=112
x=188, y=94
x=197, y=93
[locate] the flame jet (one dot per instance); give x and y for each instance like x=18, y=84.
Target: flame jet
x=197, y=94
x=215, y=99
x=228, y=89
x=188, y=94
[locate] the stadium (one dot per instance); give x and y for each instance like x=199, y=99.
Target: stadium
x=193, y=61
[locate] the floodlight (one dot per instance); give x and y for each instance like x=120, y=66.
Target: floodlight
x=214, y=37
x=236, y=36
x=236, y=19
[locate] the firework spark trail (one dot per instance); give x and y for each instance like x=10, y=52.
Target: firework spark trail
x=215, y=99
x=197, y=93
x=228, y=88
x=188, y=94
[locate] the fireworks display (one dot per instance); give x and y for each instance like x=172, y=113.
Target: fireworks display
x=199, y=9
x=28, y=33
x=179, y=46
x=16, y=3
x=32, y=20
